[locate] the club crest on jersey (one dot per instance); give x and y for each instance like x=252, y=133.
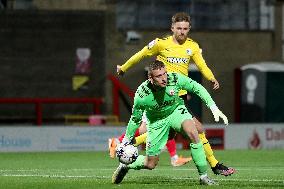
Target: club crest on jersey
x=172, y=92
x=149, y=144
x=189, y=52
x=151, y=44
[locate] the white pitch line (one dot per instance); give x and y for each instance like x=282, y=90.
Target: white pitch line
x=3, y=170
x=157, y=169
x=237, y=179
x=242, y=169
x=53, y=176
x=108, y=177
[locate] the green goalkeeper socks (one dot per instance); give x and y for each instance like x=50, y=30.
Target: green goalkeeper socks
x=199, y=158
x=138, y=164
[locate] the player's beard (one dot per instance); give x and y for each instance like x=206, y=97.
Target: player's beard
x=181, y=38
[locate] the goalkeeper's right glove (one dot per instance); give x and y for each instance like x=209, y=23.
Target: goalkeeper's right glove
x=217, y=114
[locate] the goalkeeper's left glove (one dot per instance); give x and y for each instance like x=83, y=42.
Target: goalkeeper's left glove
x=217, y=114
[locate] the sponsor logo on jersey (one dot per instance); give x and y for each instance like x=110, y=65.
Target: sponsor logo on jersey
x=165, y=103
x=189, y=52
x=176, y=60
x=151, y=44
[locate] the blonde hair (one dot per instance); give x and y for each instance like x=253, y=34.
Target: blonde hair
x=180, y=17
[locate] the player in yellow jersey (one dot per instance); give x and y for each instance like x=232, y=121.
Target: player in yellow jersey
x=176, y=52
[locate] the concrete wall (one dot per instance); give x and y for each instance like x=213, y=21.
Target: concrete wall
x=38, y=56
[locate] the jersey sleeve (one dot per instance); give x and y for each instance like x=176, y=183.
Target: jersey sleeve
x=190, y=85
x=201, y=64
x=150, y=50
x=136, y=117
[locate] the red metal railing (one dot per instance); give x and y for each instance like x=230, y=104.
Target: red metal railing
x=117, y=86
x=38, y=102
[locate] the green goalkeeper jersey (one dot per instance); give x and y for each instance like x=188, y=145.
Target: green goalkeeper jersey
x=160, y=103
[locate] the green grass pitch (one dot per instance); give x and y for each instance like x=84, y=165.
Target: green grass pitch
x=80, y=170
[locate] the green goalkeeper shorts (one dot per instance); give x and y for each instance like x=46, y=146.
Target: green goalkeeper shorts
x=158, y=131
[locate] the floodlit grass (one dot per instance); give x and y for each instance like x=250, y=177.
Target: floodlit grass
x=80, y=170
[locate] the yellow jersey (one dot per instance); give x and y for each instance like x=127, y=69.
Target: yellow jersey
x=176, y=57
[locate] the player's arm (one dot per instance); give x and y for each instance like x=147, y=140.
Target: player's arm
x=151, y=49
x=190, y=85
x=135, y=119
x=202, y=66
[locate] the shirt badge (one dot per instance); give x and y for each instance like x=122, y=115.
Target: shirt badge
x=172, y=92
x=188, y=52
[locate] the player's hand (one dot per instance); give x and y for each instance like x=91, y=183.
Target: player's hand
x=216, y=84
x=118, y=70
x=218, y=114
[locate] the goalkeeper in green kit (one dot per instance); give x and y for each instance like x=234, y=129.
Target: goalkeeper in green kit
x=165, y=110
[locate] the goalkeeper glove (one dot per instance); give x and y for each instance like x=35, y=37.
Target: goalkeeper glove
x=218, y=114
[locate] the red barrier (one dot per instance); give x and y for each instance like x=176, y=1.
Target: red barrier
x=38, y=102
x=117, y=85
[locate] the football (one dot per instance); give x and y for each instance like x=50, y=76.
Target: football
x=127, y=154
